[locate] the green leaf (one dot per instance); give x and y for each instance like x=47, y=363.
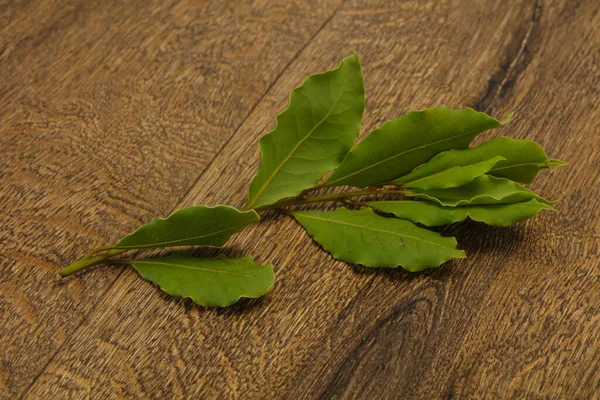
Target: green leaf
x=453, y=177
x=363, y=237
x=190, y=226
x=523, y=159
x=431, y=214
x=402, y=144
x=210, y=282
x=485, y=189
x=312, y=135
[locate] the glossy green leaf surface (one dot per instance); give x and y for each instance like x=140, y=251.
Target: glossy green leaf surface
x=431, y=214
x=210, y=282
x=190, y=226
x=523, y=159
x=312, y=135
x=400, y=145
x=363, y=237
x=485, y=189
x=453, y=177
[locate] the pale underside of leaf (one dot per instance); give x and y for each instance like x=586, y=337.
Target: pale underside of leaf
x=485, y=189
x=363, y=237
x=190, y=226
x=210, y=282
x=312, y=135
x=400, y=145
x=453, y=177
x=431, y=214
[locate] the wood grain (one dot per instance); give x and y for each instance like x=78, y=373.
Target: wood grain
x=109, y=112
x=519, y=318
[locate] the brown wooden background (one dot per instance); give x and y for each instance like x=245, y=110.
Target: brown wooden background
x=115, y=113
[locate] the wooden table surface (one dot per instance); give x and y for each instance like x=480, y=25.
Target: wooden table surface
x=116, y=113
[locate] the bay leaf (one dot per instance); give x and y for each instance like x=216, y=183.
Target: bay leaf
x=363, y=237
x=190, y=226
x=431, y=214
x=312, y=135
x=485, y=189
x=453, y=177
x=210, y=282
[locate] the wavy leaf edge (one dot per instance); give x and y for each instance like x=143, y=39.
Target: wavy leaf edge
x=450, y=215
x=188, y=256
x=253, y=200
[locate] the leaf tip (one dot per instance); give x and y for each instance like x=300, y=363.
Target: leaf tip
x=507, y=119
x=556, y=163
x=354, y=57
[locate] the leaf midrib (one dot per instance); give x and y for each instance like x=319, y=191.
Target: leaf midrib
x=401, y=154
x=542, y=164
x=374, y=230
x=189, y=267
x=142, y=246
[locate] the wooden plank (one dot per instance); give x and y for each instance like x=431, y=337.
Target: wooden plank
x=109, y=111
x=518, y=318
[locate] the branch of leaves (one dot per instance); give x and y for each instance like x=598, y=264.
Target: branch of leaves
x=423, y=159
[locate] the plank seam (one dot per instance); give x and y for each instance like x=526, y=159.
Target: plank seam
x=498, y=85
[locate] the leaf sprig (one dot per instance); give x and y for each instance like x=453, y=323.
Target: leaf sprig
x=421, y=160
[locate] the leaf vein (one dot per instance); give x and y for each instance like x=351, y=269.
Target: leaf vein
x=141, y=246
x=191, y=267
x=401, y=154
x=374, y=229
x=287, y=158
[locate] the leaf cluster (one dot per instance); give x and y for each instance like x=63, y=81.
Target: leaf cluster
x=412, y=172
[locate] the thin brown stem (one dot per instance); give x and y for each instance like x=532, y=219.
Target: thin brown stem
x=119, y=261
x=294, y=201
x=98, y=250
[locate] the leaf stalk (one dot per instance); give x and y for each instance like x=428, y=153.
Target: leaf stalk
x=87, y=262
x=93, y=258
